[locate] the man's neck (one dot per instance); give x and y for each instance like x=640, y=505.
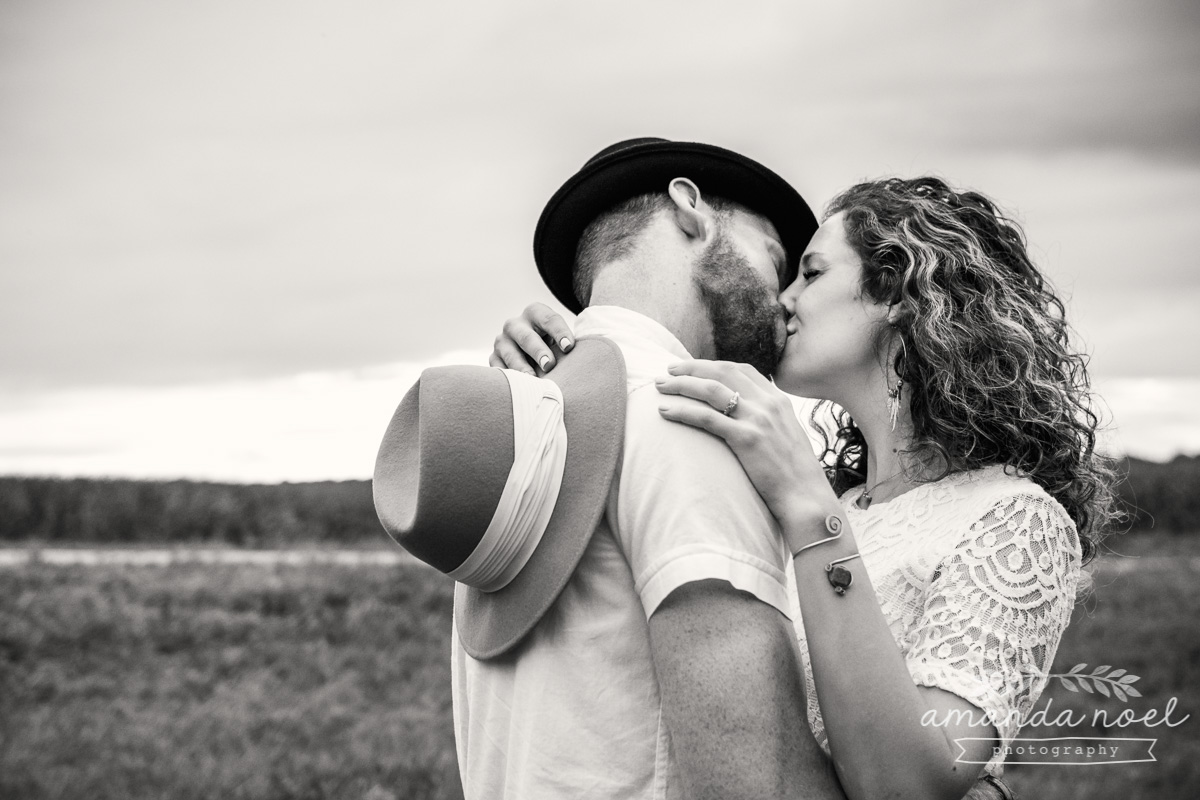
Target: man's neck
x=671, y=304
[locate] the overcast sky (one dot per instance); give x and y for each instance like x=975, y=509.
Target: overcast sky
x=231, y=233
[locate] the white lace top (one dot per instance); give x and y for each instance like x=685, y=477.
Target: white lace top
x=976, y=575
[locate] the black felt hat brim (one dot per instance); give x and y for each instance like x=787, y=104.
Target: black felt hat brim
x=648, y=165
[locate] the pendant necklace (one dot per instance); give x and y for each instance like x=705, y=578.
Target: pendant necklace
x=864, y=500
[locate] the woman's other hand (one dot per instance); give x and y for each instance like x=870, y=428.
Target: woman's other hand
x=761, y=428
x=530, y=339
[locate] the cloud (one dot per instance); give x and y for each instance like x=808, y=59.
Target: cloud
x=327, y=425
x=227, y=191
x=313, y=426
x=1152, y=417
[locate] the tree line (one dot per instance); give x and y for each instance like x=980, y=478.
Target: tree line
x=1163, y=496
x=110, y=511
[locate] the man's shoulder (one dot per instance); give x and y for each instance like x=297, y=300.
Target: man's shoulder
x=643, y=419
x=672, y=451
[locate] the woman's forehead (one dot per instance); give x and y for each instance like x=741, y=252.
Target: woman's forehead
x=830, y=240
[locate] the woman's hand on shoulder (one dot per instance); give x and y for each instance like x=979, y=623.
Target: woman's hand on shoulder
x=761, y=428
x=531, y=338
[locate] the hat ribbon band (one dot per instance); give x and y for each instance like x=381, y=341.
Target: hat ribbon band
x=531, y=490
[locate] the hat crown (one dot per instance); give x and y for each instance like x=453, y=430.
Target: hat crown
x=444, y=461
x=627, y=144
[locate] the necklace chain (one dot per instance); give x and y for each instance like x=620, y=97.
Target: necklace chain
x=865, y=499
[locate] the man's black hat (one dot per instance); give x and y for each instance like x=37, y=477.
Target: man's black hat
x=640, y=166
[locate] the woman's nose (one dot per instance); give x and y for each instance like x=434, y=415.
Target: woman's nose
x=787, y=298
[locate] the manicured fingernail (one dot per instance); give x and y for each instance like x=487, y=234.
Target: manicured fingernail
x=545, y=362
x=660, y=379
x=565, y=344
x=672, y=367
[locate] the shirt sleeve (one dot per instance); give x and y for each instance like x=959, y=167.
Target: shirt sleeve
x=996, y=608
x=687, y=512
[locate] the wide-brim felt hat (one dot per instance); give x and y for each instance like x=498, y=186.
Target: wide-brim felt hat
x=444, y=462
x=639, y=166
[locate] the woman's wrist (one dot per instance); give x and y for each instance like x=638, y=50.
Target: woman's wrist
x=811, y=522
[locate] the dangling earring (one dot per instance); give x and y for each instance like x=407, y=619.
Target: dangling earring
x=894, y=394
x=894, y=402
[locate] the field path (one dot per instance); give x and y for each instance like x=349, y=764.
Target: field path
x=162, y=557
x=62, y=556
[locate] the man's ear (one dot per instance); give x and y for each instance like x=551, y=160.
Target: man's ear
x=692, y=214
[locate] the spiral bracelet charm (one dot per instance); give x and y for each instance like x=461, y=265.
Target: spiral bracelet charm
x=833, y=524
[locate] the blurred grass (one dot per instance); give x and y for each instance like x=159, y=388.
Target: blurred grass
x=322, y=681
x=225, y=682
x=1144, y=619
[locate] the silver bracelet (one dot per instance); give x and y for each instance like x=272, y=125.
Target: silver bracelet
x=839, y=577
x=833, y=524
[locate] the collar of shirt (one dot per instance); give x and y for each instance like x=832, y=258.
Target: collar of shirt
x=648, y=347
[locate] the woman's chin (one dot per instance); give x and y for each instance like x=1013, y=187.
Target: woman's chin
x=801, y=383
x=792, y=383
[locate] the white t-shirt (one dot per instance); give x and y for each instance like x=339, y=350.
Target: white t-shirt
x=574, y=711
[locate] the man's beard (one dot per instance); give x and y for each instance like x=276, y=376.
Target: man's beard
x=745, y=313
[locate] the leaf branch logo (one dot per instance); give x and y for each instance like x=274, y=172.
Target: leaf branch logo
x=1116, y=683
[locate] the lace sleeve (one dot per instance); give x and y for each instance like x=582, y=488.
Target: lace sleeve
x=996, y=607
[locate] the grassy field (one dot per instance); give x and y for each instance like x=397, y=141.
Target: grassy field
x=332, y=682
x=1145, y=620
x=225, y=682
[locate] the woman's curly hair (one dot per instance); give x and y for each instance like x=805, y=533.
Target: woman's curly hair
x=988, y=369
